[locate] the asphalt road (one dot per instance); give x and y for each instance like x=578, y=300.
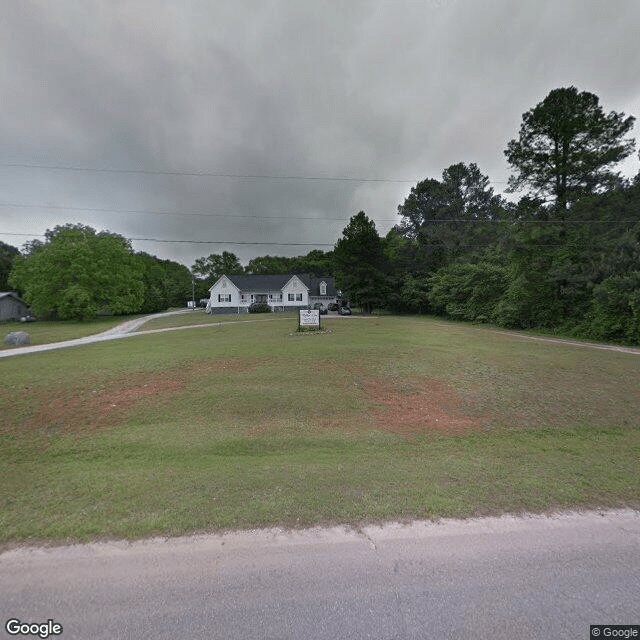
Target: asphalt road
x=517, y=578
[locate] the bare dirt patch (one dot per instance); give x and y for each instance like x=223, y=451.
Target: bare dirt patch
x=89, y=409
x=107, y=403
x=425, y=405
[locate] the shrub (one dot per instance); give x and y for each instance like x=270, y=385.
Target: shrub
x=467, y=291
x=259, y=307
x=615, y=312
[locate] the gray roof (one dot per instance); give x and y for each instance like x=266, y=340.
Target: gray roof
x=265, y=283
x=260, y=283
x=314, y=285
x=12, y=294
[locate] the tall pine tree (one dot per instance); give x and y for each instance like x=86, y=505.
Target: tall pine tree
x=358, y=260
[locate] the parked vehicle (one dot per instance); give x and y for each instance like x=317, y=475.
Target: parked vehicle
x=333, y=306
x=344, y=311
x=321, y=308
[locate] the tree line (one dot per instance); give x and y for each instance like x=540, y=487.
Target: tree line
x=564, y=257
x=78, y=273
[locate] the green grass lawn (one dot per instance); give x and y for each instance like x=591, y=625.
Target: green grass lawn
x=250, y=424
x=199, y=317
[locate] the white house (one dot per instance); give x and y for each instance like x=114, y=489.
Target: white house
x=286, y=292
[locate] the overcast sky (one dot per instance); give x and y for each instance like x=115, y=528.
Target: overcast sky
x=393, y=91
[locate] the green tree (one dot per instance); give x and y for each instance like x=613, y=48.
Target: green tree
x=316, y=263
x=557, y=266
x=609, y=265
x=177, y=283
x=77, y=273
x=269, y=265
x=615, y=312
x=166, y=283
x=414, y=294
x=534, y=297
x=406, y=286
x=452, y=217
x=7, y=256
x=359, y=263
x=567, y=148
x=215, y=265
x=468, y=291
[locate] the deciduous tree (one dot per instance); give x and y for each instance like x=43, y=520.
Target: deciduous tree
x=269, y=265
x=7, y=255
x=167, y=283
x=77, y=272
x=215, y=265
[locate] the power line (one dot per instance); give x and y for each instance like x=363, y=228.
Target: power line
x=19, y=205
x=537, y=220
x=298, y=244
x=199, y=174
x=283, y=244
x=208, y=174
x=277, y=244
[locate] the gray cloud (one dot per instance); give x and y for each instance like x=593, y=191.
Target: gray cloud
x=387, y=89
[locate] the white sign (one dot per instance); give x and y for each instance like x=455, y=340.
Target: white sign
x=309, y=318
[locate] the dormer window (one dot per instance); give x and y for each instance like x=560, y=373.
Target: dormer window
x=323, y=288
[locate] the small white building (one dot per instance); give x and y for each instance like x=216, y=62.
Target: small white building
x=286, y=292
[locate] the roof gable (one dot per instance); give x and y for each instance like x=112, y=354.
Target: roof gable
x=220, y=280
x=11, y=294
x=314, y=286
x=259, y=282
x=292, y=281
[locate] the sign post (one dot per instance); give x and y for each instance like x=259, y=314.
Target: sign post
x=308, y=318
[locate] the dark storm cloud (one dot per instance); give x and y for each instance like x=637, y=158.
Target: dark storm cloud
x=386, y=89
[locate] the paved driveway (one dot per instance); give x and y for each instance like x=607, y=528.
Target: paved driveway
x=120, y=331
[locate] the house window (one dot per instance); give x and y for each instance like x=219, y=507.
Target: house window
x=323, y=288
x=299, y=297
x=291, y=297
x=224, y=297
